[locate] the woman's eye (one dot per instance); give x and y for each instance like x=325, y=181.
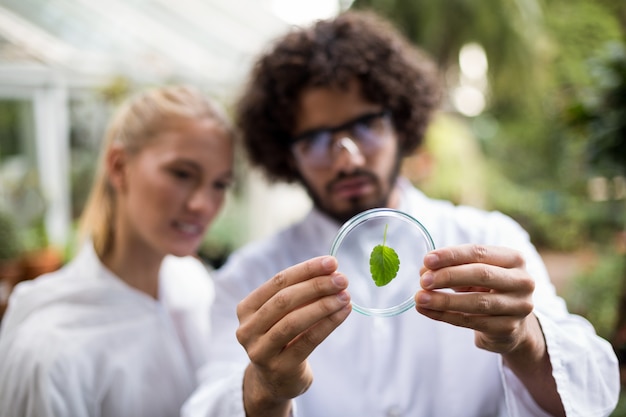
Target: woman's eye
x=223, y=185
x=181, y=174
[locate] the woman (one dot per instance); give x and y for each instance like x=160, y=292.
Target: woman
x=122, y=329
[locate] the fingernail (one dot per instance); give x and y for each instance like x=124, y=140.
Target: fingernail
x=427, y=279
x=423, y=298
x=431, y=259
x=343, y=296
x=328, y=262
x=339, y=280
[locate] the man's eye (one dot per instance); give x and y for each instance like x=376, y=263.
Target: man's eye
x=319, y=142
x=308, y=143
x=367, y=122
x=360, y=128
x=305, y=143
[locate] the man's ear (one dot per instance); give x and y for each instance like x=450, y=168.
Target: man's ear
x=116, y=162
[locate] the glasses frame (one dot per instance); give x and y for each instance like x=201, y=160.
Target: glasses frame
x=330, y=132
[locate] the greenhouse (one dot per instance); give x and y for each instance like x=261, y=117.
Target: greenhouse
x=61, y=59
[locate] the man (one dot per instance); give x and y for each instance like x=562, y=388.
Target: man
x=336, y=107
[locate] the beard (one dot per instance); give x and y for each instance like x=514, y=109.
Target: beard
x=355, y=205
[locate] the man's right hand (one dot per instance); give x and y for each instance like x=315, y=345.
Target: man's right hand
x=280, y=324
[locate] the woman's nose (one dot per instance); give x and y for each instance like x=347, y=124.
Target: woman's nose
x=204, y=200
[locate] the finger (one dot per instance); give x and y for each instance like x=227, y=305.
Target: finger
x=479, y=276
x=322, y=265
x=473, y=253
x=306, y=342
x=479, y=303
x=494, y=325
x=290, y=329
x=471, y=289
x=298, y=295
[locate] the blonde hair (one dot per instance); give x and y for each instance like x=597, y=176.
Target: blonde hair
x=138, y=120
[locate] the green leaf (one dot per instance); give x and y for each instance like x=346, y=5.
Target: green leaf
x=384, y=263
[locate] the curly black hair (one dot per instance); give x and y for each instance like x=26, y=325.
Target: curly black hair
x=356, y=44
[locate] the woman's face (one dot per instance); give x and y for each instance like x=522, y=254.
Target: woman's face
x=171, y=189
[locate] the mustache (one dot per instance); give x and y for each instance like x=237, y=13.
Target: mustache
x=358, y=174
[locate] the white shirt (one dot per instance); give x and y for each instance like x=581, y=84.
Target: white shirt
x=408, y=365
x=82, y=343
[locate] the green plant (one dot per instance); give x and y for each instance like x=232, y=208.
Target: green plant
x=595, y=292
x=384, y=263
x=601, y=111
x=10, y=246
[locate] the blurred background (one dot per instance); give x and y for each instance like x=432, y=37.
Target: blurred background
x=534, y=120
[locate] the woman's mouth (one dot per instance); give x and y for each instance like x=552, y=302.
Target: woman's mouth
x=191, y=229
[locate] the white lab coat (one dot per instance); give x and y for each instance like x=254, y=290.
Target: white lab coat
x=408, y=365
x=82, y=343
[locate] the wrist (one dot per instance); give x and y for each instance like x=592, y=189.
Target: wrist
x=531, y=352
x=258, y=400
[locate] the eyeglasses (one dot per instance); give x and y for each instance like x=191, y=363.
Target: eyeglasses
x=367, y=133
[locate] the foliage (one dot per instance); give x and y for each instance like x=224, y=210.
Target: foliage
x=384, y=263
x=9, y=122
x=507, y=30
x=537, y=168
x=532, y=130
x=601, y=111
x=82, y=173
x=10, y=245
x=594, y=293
x=450, y=165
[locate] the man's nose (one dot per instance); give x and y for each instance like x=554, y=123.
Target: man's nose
x=352, y=153
x=349, y=145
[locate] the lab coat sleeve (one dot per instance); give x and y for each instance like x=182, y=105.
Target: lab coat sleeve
x=220, y=385
x=219, y=394
x=584, y=365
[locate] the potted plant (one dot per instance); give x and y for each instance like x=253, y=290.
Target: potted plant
x=40, y=257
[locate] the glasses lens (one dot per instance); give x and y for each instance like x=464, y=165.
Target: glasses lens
x=314, y=148
x=368, y=132
x=371, y=131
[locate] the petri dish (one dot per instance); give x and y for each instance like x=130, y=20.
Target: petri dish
x=353, y=247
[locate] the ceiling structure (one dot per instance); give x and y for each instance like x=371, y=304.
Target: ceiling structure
x=52, y=50
x=86, y=41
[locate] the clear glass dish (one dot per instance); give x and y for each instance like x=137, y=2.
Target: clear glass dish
x=353, y=247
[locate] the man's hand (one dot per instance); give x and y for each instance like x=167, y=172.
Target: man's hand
x=280, y=324
x=493, y=293
x=493, y=296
